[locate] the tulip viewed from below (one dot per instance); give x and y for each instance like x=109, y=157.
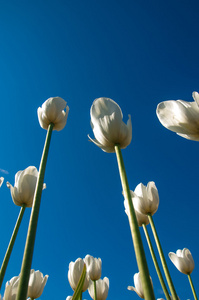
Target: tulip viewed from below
x=1, y=181
x=102, y=287
x=36, y=284
x=93, y=267
x=138, y=286
x=141, y=218
x=181, y=117
x=183, y=260
x=108, y=126
x=74, y=273
x=54, y=110
x=11, y=288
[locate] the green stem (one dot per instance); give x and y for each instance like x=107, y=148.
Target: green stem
x=11, y=244
x=30, y=240
x=156, y=263
x=95, y=290
x=162, y=258
x=192, y=287
x=137, y=241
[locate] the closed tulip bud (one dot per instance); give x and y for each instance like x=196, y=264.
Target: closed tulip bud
x=36, y=284
x=11, y=289
x=141, y=218
x=181, y=117
x=145, y=198
x=54, y=110
x=93, y=267
x=69, y=298
x=24, y=188
x=107, y=125
x=102, y=287
x=138, y=285
x=74, y=273
x=183, y=260
x=1, y=181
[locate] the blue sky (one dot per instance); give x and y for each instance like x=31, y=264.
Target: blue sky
x=138, y=53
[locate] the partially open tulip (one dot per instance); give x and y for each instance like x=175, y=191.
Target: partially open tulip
x=138, y=285
x=141, y=218
x=145, y=198
x=54, y=110
x=107, y=125
x=24, y=187
x=74, y=273
x=1, y=181
x=181, y=117
x=183, y=260
x=102, y=287
x=93, y=267
x=11, y=289
x=36, y=284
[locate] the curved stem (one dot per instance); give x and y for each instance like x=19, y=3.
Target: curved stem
x=156, y=263
x=192, y=287
x=11, y=244
x=95, y=290
x=162, y=258
x=135, y=232
x=30, y=240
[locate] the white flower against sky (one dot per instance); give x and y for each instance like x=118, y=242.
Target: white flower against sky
x=54, y=110
x=138, y=285
x=1, y=181
x=74, y=273
x=11, y=288
x=108, y=126
x=93, y=267
x=141, y=218
x=181, y=117
x=102, y=288
x=36, y=284
x=183, y=260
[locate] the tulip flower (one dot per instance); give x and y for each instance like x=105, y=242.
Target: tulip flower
x=74, y=273
x=102, y=287
x=93, y=267
x=54, y=110
x=24, y=188
x=145, y=198
x=183, y=260
x=107, y=125
x=69, y=298
x=138, y=285
x=1, y=181
x=181, y=117
x=36, y=284
x=11, y=289
x=141, y=218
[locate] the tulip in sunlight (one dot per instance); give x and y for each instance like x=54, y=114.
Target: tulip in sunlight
x=54, y=110
x=1, y=181
x=141, y=218
x=181, y=117
x=93, y=267
x=138, y=285
x=74, y=273
x=11, y=288
x=24, y=187
x=36, y=284
x=108, y=126
x=102, y=287
x=183, y=260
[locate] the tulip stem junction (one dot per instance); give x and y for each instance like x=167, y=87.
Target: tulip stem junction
x=137, y=241
x=192, y=287
x=162, y=258
x=156, y=263
x=11, y=244
x=30, y=240
x=95, y=290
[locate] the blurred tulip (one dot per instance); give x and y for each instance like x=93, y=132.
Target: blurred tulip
x=183, y=260
x=36, y=284
x=102, y=287
x=93, y=267
x=24, y=187
x=138, y=285
x=11, y=289
x=145, y=198
x=69, y=298
x=74, y=273
x=141, y=218
x=181, y=117
x=52, y=111
x=1, y=181
x=107, y=125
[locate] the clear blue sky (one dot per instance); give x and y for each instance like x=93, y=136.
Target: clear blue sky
x=138, y=53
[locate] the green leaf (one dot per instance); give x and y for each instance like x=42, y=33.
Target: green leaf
x=80, y=284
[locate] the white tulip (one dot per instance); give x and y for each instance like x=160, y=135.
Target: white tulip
x=11, y=289
x=102, y=287
x=1, y=181
x=69, y=298
x=24, y=187
x=145, y=198
x=36, y=284
x=54, y=110
x=74, y=273
x=138, y=285
x=107, y=125
x=181, y=117
x=141, y=218
x=93, y=267
x=183, y=260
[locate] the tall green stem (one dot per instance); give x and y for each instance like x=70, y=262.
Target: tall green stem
x=30, y=240
x=137, y=241
x=192, y=287
x=162, y=258
x=95, y=290
x=156, y=263
x=11, y=244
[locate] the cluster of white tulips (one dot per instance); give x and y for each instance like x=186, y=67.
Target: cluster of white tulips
x=111, y=135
